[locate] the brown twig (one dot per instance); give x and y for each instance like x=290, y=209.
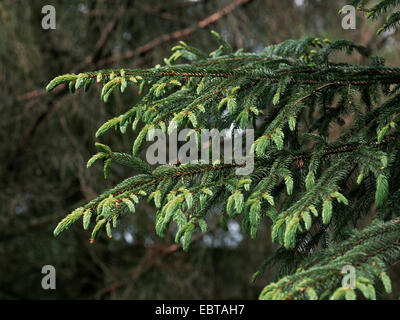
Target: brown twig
x=146, y=47
x=174, y=35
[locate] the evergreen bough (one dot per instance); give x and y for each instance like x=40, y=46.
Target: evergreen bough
x=314, y=190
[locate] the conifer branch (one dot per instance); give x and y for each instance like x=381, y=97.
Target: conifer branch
x=304, y=183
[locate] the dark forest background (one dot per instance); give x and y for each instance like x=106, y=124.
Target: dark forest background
x=47, y=138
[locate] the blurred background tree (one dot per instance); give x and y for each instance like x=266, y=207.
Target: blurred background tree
x=46, y=139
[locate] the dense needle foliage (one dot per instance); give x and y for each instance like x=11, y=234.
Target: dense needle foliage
x=314, y=187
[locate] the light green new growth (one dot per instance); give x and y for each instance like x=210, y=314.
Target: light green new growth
x=313, y=190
